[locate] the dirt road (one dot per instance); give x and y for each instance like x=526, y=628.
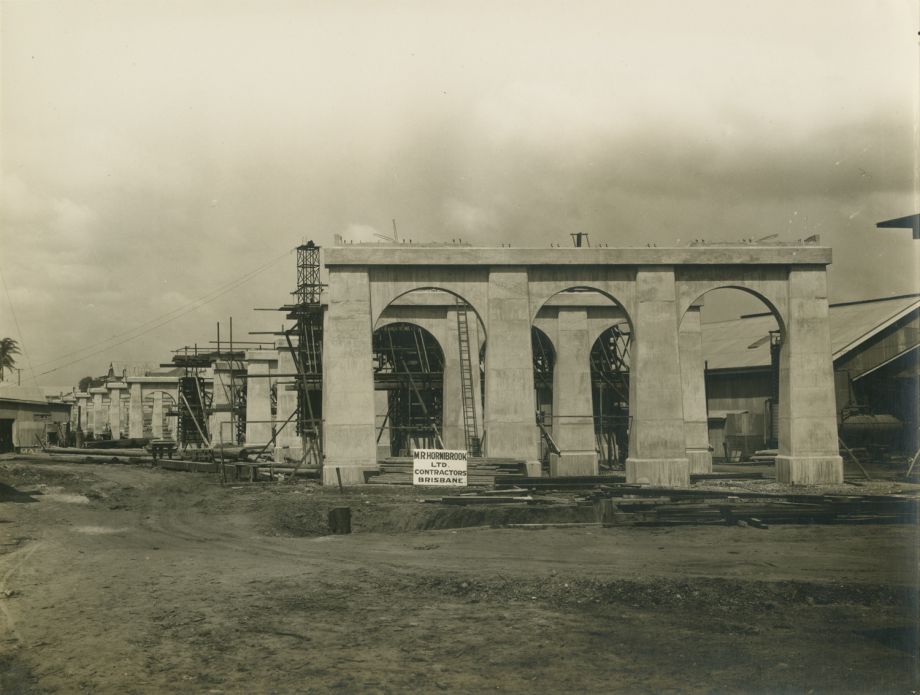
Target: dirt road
x=134, y=580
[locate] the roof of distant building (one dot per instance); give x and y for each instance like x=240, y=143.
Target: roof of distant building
x=745, y=342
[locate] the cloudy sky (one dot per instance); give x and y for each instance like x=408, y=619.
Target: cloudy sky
x=161, y=159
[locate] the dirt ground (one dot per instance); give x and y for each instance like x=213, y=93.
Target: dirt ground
x=127, y=579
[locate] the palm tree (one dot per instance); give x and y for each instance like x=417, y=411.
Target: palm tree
x=8, y=348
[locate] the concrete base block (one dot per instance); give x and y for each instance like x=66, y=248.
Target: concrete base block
x=533, y=469
x=573, y=463
x=658, y=472
x=351, y=474
x=700, y=461
x=383, y=451
x=809, y=470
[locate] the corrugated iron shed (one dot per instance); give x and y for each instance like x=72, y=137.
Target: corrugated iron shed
x=745, y=342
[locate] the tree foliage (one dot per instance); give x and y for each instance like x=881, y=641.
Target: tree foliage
x=9, y=348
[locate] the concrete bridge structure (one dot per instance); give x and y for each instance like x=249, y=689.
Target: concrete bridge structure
x=656, y=290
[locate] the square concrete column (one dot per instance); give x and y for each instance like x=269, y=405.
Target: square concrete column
x=82, y=411
x=156, y=417
x=99, y=412
x=135, y=411
x=809, y=451
x=259, y=364
x=693, y=383
x=218, y=423
x=573, y=409
x=288, y=442
x=510, y=413
x=657, y=454
x=115, y=414
x=348, y=379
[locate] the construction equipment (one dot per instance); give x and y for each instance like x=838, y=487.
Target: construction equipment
x=470, y=424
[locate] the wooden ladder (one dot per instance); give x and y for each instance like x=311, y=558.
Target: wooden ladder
x=470, y=429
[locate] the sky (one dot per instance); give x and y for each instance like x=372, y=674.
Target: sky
x=160, y=160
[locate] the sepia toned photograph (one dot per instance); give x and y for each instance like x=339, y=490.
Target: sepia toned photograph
x=459, y=347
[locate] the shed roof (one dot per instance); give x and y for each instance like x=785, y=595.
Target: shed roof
x=745, y=342
x=22, y=394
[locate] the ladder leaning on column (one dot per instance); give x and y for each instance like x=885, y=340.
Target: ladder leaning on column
x=470, y=430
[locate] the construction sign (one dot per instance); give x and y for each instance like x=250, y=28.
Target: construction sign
x=439, y=467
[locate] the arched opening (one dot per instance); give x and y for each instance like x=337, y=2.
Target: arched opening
x=428, y=352
x=583, y=389
x=409, y=375
x=610, y=394
x=730, y=343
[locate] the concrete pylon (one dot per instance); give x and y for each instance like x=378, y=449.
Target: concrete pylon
x=83, y=411
x=288, y=443
x=573, y=418
x=348, y=380
x=693, y=388
x=115, y=389
x=220, y=405
x=135, y=411
x=808, y=445
x=657, y=454
x=156, y=418
x=100, y=414
x=510, y=412
x=259, y=365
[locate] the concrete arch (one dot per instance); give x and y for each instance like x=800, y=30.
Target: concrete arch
x=768, y=284
x=617, y=284
x=389, y=284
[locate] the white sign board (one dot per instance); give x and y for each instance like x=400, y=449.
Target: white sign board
x=439, y=467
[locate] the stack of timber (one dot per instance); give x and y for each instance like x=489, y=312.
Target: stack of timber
x=480, y=471
x=575, y=482
x=765, y=456
x=627, y=505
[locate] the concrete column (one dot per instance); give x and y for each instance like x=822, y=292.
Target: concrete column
x=693, y=387
x=156, y=417
x=348, y=380
x=220, y=405
x=115, y=389
x=808, y=446
x=657, y=454
x=288, y=443
x=573, y=410
x=136, y=412
x=381, y=406
x=83, y=412
x=259, y=365
x=510, y=419
x=99, y=413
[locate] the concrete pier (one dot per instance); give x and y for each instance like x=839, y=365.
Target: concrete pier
x=510, y=409
x=693, y=387
x=135, y=410
x=100, y=413
x=348, y=381
x=259, y=365
x=657, y=454
x=573, y=420
x=808, y=446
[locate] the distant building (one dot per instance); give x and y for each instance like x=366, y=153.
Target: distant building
x=26, y=416
x=875, y=345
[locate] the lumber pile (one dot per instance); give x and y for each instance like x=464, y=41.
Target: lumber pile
x=480, y=471
x=627, y=505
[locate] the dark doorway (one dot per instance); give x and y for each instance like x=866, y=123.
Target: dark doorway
x=6, y=436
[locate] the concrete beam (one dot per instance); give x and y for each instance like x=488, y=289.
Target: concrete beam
x=469, y=256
